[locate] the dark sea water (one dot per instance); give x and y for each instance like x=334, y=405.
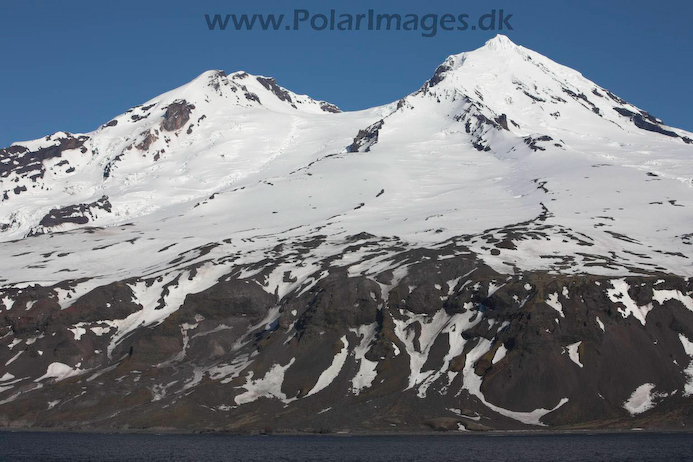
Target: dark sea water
x=26, y=446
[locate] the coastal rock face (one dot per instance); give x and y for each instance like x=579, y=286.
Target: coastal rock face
x=451, y=342
x=487, y=253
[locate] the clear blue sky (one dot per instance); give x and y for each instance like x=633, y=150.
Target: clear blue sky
x=73, y=65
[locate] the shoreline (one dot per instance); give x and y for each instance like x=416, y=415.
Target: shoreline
x=162, y=431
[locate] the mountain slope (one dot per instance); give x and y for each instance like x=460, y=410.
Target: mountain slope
x=505, y=247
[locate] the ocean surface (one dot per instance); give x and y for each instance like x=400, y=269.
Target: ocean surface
x=29, y=446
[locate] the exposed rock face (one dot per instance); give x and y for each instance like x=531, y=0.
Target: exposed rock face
x=327, y=107
x=79, y=214
x=149, y=138
x=448, y=344
x=22, y=163
x=177, y=115
x=272, y=86
x=439, y=74
x=645, y=121
x=533, y=142
x=366, y=138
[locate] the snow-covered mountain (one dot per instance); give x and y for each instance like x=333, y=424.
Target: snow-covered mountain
x=506, y=246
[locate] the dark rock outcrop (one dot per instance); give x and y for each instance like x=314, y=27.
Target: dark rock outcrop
x=177, y=115
x=366, y=138
x=236, y=353
x=78, y=214
x=271, y=85
x=646, y=121
x=25, y=163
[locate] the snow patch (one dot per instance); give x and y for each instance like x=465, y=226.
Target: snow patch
x=601, y=324
x=8, y=302
x=553, y=302
x=331, y=373
x=641, y=400
x=472, y=383
x=270, y=386
x=662, y=296
x=367, y=369
x=574, y=353
x=493, y=288
x=619, y=294
x=688, y=348
x=499, y=354
x=59, y=371
x=430, y=329
x=78, y=332
x=13, y=358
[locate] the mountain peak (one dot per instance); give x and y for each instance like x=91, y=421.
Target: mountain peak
x=242, y=89
x=500, y=42
x=229, y=245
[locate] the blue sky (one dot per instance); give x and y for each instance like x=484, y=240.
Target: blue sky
x=72, y=65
